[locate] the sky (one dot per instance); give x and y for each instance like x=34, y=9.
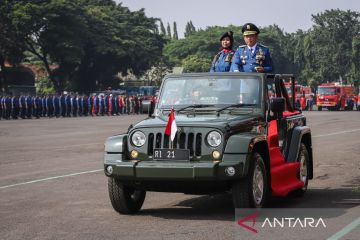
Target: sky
x=289, y=15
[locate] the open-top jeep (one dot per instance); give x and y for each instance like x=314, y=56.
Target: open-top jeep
x=236, y=132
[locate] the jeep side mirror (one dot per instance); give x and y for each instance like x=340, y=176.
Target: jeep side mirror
x=277, y=105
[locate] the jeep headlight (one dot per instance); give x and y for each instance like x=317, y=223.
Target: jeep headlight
x=214, y=138
x=138, y=138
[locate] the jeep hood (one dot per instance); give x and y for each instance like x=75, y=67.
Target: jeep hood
x=224, y=123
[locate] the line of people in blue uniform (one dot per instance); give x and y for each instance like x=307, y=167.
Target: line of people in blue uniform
x=251, y=57
x=66, y=105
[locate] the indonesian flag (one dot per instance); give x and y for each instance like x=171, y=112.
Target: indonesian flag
x=171, y=127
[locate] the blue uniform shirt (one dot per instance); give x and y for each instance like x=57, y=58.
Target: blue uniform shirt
x=222, y=61
x=245, y=61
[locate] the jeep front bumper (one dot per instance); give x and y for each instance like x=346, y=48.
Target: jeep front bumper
x=232, y=166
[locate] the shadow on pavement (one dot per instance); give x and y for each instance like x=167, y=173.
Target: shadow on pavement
x=219, y=207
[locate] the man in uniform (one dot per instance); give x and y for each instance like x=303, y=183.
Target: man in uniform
x=22, y=106
x=252, y=57
x=29, y=106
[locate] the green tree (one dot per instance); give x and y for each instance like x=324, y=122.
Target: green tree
x=11, y=44
x=189, y=29
x=88, y=40
x=175, y=36
x=332, y=37
x=162, y=28
x=194, y=63
x=157, y=72
x=168, y=30
x=354, y=75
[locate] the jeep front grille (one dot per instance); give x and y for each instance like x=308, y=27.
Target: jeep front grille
x=191, y=141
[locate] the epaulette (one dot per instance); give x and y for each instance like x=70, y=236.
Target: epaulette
x=242, y=46
x=261, y=45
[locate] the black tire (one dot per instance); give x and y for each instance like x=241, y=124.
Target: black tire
x=304, y=171
x=319, y=108
x=125, y=199
x=243, y=191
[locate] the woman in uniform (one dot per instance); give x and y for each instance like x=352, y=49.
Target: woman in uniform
x=222, y=60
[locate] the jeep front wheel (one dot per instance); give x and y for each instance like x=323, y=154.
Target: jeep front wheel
x=252, y=191
x=125, y=199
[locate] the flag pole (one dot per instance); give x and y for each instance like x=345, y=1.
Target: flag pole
x=171, y=141
x=171, y=128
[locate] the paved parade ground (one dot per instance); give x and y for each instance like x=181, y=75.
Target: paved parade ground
x=52, y=185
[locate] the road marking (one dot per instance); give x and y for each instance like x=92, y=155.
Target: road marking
x=59, y=148
x=336, y=133
x=51, y=178
x=345, y=230
x=78, y=145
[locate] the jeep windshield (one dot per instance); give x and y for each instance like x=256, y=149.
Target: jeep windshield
x=210, y=92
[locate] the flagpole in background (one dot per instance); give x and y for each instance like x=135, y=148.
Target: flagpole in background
x=171, y=127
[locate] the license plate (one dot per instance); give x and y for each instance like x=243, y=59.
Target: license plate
x=171, y=154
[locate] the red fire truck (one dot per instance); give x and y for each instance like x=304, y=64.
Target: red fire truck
x=335, y=96
x=303, y=96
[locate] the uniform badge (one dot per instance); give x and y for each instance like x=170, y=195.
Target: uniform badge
x=260, y=57
x=227, y=59
x=243, y=57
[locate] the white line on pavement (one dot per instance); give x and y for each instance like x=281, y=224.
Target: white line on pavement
x=336, y=133
x=345, y=230
x=50, y=178
x=61, y=147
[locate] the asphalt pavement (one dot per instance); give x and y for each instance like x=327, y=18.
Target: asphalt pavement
x=52, y=185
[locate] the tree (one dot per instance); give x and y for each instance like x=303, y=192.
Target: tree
x=162, y=28
x=157, y=72
x=332, y=37
x=168, y=30
x=11, y=44
x=189, y=29
x=354, y=75
x=88, y=41
x=194, y=63
x=175, y=36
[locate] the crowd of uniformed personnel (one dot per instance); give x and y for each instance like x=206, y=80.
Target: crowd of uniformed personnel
x=68, y=105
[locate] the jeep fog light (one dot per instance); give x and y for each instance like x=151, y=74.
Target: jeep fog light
x=134, y=154
x=214, y=139
x=109, y=170
x=230, y=171
x=216, y=154
x=138, y=138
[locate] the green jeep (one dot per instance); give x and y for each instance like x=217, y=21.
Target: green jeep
x=236, y=132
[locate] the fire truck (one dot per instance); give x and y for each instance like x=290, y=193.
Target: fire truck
x=303, y=96
x=335, y=96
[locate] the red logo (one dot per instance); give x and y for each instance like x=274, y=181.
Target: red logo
x=253, y=217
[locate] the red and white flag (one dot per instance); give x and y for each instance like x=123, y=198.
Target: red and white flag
x=171, y=127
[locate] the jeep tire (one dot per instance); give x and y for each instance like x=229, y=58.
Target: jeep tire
x=252, y=191
x=125, y=199
x=304, y=171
